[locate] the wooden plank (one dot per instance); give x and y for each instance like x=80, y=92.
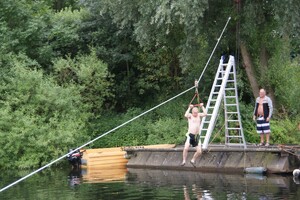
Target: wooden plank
x=100, y=167
x=105, y=159
x=119, y=149
x=112, y=165
x=112, y=157
x=107, y=162
x=103, y=150
x=106, y=154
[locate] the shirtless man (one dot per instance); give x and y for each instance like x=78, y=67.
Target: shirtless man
x=263, y=111
x=194, y=120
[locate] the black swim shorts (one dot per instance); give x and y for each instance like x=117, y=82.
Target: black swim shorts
x=193, y=140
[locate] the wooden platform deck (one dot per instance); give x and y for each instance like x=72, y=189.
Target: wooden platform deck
x=113, y=164
x=109, y=164
x=219, y=158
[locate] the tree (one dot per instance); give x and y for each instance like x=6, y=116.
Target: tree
x=90, y=76
x=167, y=34
x=24, y=28
x=40, y=120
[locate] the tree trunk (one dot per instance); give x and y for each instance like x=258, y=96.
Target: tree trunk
x=247, y=63
x=263, y=60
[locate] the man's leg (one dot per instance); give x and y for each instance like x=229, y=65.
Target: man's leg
x=185, y=150
x=262, y=138
x=260, y=130
x=197, y=154
x=268, y=138
x=267, y=131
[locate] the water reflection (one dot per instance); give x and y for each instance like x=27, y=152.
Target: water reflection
x=74, y=177
x=147, y=184
x=199, y=185
x=103, y=175
x=196, y=193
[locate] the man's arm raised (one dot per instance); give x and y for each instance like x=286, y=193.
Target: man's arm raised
x=187, y=112
x=204, y=113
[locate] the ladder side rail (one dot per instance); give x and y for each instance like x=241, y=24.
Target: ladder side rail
x=216, y=108
x=210, y=98
x=238, y=108
x=226, y=116
x=225, y=111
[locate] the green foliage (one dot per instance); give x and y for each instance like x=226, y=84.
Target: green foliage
x=166, y=131
x=91, y=77
x=39, y=119
x=284, y=131
x=166, y=124
x=133, y=133
x=285, y=77
x=85, y=67
x=24, y=30
x=288, y=16
x=167, y=33
x=64, y=33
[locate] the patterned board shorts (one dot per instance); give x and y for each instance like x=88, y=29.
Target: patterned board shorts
x=262, y=126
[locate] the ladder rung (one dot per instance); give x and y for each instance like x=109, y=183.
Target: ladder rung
x=229, y=97
x=234, y=104
x=235, y=144
x=233, y=120
x=217, y=85
x=215, y=93
x=229, y=88
x=233, y=136
x=233, y=128
x=231, y=112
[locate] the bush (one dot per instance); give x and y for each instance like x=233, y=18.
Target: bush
x=166, y=130
x=39, y=120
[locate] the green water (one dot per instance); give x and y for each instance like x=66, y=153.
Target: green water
x=149, y=184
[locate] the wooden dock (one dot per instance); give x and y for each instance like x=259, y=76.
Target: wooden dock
x=109, y=164
x=112, y=164
x=219, y=158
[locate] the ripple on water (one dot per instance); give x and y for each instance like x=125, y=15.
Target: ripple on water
x=150, y=184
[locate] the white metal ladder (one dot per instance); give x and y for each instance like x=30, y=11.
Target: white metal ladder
x=224, y=88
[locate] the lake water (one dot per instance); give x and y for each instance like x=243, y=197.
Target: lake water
x=146, y=184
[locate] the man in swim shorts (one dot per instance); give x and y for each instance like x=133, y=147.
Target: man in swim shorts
x=194, y=120
x=262, y=114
